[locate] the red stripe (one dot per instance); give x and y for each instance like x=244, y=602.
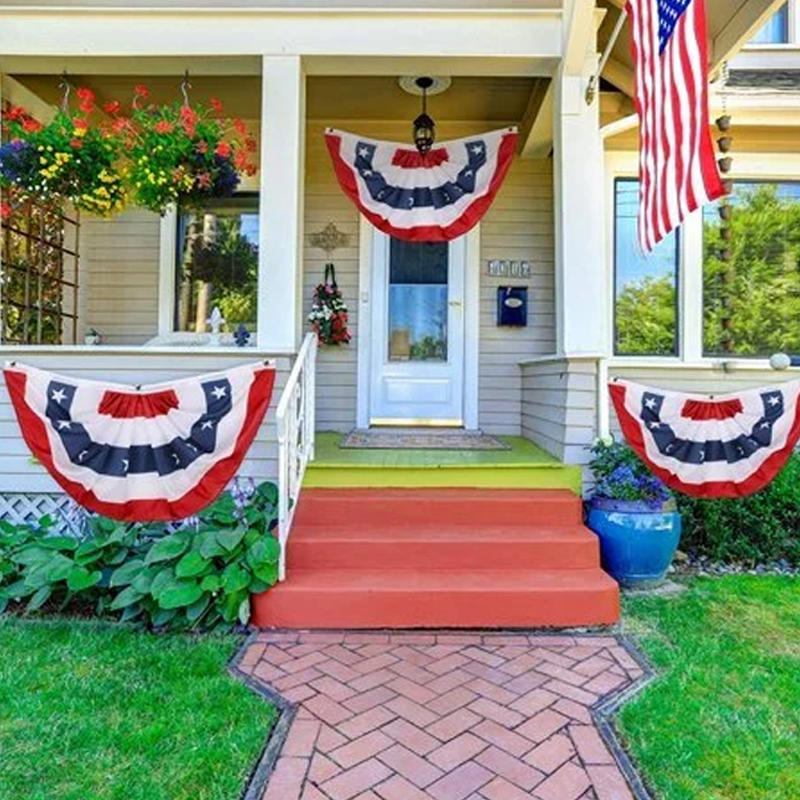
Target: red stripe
x=156, y=509
x=430, y=233
x=711, y=409
x=413, y=159
x=128, y=405
x=757, y=480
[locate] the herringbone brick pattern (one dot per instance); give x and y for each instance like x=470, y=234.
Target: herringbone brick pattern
x=450, y=716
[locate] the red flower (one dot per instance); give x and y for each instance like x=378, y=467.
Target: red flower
x=86, y=95
x=223, y=150
x=241, y=128
x=240, y=160
x=76, y=143
x=251, y=144
x=188, y=115
x=216, y=104
x=163, y=126
x=119, y=124
x=86, y=107
x=15, y=112
x=140, y=90
x=79, y=122
x=114, y=107
x=31, y=125
x=5, y=210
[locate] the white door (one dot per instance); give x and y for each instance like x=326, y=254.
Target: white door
x=417, y=358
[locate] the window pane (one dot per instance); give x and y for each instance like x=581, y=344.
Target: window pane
x=218, y=265
x=752, y=302
x=418, y=301
x=776, y=30
x=646, y=286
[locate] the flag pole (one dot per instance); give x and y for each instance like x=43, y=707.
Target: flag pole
x=594, y=81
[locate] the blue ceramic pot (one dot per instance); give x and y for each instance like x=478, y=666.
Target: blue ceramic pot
x=637, y=543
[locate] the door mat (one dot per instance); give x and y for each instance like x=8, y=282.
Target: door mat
x=421, y=440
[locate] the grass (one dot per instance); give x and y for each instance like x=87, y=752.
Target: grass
x=92, y=711
x=722, y=722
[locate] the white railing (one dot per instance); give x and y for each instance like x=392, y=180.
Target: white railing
x=295, y=421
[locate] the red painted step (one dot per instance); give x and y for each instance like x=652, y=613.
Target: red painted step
x=411, y=558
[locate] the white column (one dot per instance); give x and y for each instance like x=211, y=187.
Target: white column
x=280, y=257
x=581, y=286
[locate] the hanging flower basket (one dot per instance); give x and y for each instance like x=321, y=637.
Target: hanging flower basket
x=328, y=315
x=182, y=154
x=69, y=159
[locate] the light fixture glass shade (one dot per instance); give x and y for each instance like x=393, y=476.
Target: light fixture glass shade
x=424, y=133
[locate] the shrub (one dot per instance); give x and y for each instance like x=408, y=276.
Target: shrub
x=195, y=577
x=761, y=528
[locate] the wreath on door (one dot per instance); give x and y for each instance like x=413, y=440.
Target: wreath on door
x=328, y=315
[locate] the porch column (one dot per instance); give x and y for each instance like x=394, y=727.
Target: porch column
x=280, y=237
x=582, y=288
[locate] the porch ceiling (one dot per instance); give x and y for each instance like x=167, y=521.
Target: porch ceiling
x=730, y=24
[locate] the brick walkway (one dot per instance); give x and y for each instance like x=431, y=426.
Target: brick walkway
x=446, y=716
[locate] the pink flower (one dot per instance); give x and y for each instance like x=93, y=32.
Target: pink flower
x=140, y=90
x=216, y=104
x=79, y=122
x=163, y=126
x=5, y=210
x=202, y=147
x=241, y=128
x=223, y=150
x=204, y=180
x=76, y=143
x=114, y=107
x=87, y=95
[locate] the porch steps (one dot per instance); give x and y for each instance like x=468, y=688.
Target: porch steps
x=439, y=558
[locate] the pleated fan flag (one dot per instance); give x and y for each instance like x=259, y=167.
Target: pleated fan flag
x=728, y=445
x=434, y=197
x=141, y=454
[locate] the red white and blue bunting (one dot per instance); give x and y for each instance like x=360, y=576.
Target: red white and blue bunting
x=432, y=198
x=728, y=445
x=141, y=454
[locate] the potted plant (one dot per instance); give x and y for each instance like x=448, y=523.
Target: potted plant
x=92, y=336
x=633, y=514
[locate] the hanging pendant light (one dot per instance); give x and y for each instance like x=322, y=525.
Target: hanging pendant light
x=424, y=127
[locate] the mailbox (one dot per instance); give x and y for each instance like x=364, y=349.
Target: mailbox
x=512, y=306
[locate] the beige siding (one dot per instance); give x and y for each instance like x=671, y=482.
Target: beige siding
x=18, y=473
x=518, y=227
x=559, y=406
x=119, y=273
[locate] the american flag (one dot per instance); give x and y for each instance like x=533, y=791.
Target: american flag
x=677, y=166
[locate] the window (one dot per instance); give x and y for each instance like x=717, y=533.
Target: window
x=751, y=302
x=218, y=264
x=40, y=275
x=645, y=287
x=776, y=30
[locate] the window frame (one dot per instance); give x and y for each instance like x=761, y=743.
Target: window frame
x=615, y=283
x=788, y=10
x=761, y=167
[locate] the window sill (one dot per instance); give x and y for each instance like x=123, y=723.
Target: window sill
x=11, y=350
x=727, y=365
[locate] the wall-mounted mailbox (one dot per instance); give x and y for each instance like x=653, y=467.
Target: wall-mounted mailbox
x=512, y=306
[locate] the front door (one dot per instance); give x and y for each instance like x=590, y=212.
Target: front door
x=417, y=358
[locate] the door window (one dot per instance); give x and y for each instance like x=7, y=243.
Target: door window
x=418, y=301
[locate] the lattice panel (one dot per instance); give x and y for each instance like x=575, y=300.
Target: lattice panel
x=29, y=508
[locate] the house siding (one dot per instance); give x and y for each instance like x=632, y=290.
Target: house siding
x=518, y=227
x=20, y=474
x=559, y=406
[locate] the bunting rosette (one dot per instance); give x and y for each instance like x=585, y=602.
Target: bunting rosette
x=728, y=445
x=434, y=197
x=141, y=454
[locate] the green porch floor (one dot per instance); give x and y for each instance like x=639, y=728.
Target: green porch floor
x=524, y=465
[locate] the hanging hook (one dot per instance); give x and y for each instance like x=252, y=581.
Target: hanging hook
x=66, y=87
x=185, y=87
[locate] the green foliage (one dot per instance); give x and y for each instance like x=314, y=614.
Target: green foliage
x=186, y=579
x=646, y=321
x=759, y=288
x=761, y=528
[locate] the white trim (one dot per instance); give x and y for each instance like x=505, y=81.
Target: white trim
x=472, y=325
x=690, y=288
x=365, y=250
x=167, y=271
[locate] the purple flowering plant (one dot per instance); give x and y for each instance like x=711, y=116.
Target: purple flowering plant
x=621, y=475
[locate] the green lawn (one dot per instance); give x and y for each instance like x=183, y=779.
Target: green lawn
x=722, y=721
x=93, y=711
